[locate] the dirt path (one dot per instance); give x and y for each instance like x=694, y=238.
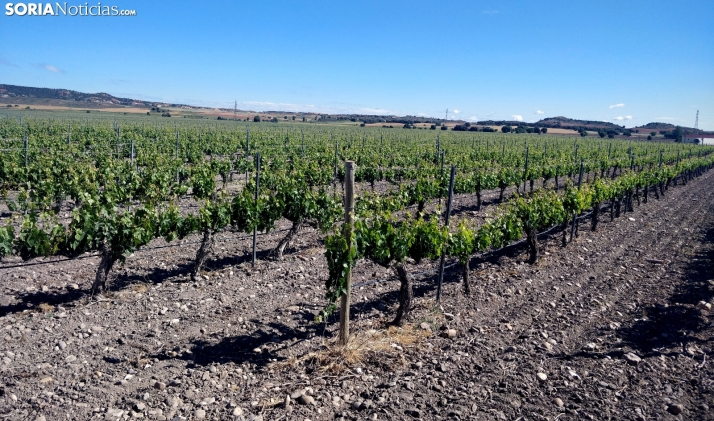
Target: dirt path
x=617, y=336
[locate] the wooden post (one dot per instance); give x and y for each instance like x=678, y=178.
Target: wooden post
x=575, y=215
x=441, y=176
x=177, y=155
x=247, y=140
x=438, y=146
x=525, y=172
x=24, y=138
x=677, y=158
x=349, y=228
x=132, y=153
x=334, y=175
x=257, y=188
x=446, y=222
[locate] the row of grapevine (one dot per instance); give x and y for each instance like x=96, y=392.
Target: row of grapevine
x=388, y=241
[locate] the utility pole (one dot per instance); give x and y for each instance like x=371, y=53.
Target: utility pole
x=696, y=121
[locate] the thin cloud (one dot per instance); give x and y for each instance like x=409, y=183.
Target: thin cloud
x=620, y=118
x=8, y=63
x=50, y=68
x=455, y=111
x=620, y=105
x=517, y=117
x=539, y=112
x=489, y=12
x=473, y=118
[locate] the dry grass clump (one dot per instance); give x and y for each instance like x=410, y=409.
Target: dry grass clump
x=384, y=347
x=140, y=288
x=45, y=308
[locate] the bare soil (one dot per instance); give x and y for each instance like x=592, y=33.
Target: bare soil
x=610, y=323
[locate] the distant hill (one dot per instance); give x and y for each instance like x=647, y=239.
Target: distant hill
x=557, y=123
x=657, y=126
x=68, y=97
x=14, y=91
x=569, y=123
x=667, y=127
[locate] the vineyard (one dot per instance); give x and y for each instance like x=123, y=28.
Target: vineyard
x=200, y=269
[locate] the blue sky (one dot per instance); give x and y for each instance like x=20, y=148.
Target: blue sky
x=639, y=61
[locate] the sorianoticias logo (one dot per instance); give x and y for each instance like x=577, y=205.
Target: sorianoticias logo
x=64, y=9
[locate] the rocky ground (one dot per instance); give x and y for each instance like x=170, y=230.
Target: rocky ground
x=617, y=325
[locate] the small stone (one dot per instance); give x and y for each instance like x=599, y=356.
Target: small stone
x=296, y=394
x=306, y=400
x=62, y=344
x=542, y=377
x=632, y=359
x=70, y=359
x=139, y=407
x=703, y=305
x=160, y=385
x=40, y=418
x=200, y=414
x=558, y=402
x=114, y=412
x=257, y=350
x=413, y=412
x=425, y=326
x=449, y=333
x=357, y=405
x=675, y=408
x=591, y=346
x=237, y=411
